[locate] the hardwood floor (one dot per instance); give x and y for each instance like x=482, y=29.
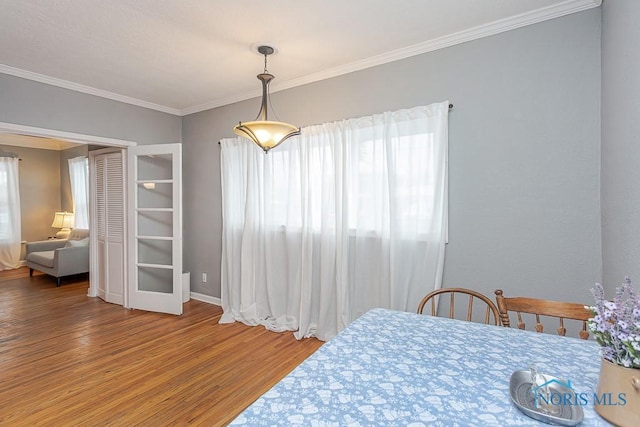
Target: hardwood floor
x=66, y=359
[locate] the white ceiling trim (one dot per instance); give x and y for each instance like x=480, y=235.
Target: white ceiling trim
x=42, y=143
x=67, y=136
x=496, y=27
x=17, y=72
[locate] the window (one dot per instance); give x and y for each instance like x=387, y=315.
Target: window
x=79, y=177
x=381, y=181
x=10, y=230
x=5, y=226
x=345, y=217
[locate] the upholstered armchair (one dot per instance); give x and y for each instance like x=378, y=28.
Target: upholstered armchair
x=59, y=258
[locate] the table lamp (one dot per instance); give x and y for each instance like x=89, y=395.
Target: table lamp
x=63, y=220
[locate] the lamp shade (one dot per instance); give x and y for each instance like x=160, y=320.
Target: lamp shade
x=266, y=134
x=63, y=220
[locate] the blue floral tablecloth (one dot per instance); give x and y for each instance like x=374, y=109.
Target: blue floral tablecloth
x=403, y=369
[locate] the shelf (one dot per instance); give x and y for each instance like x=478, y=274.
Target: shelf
x=158, y=266
x=155, y=181
x=154, y=209
x=154, y=237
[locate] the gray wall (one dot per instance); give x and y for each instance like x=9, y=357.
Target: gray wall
x=524, y=155
x=39, y=175
x=620, y=146
x=36, y=104
x=30, y=103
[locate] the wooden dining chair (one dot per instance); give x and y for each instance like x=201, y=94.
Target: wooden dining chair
x=471, y=295
x=542, y=307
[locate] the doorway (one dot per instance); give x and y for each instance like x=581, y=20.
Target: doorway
x=114, y=144
x=134, y=253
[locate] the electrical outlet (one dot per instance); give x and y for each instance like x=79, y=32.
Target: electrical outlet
x=204, y=277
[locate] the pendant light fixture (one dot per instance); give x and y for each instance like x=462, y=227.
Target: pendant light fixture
x=265, y=133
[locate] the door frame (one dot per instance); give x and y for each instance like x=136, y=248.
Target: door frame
x=78, y=138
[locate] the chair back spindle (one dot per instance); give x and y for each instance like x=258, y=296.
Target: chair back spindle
x=542, y=307
x=472, y=295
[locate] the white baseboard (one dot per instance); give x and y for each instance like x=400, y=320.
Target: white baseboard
x=206, y=298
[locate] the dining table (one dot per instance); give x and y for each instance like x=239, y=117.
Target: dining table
x=394, y=368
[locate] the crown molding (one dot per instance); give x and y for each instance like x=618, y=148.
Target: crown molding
x=566, y=8
x=63, y=135
x=492, y=28
x=19, y=140
x=53, y=81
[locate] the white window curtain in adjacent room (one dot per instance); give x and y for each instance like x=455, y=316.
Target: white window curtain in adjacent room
x=79, y=177
x=347, y=216
x=10, y=230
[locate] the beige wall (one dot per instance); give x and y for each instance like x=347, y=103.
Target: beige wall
x=44, y=187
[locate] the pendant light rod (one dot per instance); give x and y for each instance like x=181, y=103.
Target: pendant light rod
x=266, y=51
x=265, y=78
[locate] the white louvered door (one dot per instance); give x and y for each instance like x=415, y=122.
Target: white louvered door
x=155, y=233
x=108, y=261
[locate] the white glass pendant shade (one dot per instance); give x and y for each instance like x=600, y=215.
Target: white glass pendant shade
x=265, y=133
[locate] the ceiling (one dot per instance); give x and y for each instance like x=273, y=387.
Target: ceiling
x=182, y=56
x=29, y=141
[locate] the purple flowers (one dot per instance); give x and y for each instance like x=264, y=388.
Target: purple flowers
x=616, y=324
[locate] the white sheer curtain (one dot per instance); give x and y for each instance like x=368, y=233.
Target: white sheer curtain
x=10, y=231
x=79, y=177
x=348, y=216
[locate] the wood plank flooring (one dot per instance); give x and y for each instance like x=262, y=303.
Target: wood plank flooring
x=70, y=360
